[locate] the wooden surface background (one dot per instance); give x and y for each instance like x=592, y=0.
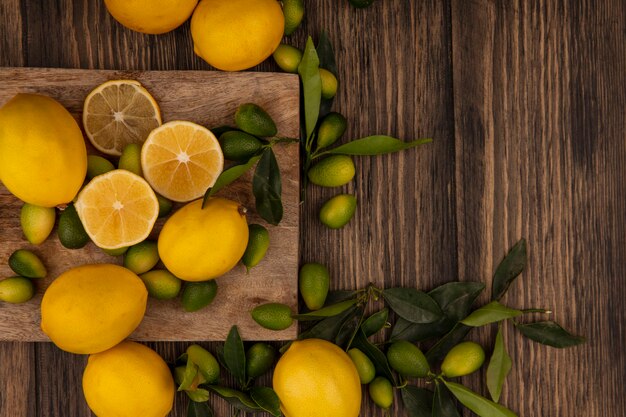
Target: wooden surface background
x=525, y=101
x=209, y=98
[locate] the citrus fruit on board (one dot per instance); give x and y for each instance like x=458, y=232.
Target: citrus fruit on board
x=234, y=35
x=316, y=378
x=181, y=160
x=119, y=112
x=151, y=16
x=198, y=244
x=91, y=308
x=128, y=380
x=43, y=159
x=463, y=359
x=117, y=209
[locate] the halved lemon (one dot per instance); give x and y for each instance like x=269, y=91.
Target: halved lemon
x=181, y=160
x=117, y=209
x=117, y=113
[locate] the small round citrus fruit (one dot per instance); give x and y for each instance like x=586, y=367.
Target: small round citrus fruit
x=259, y=359
x=236, y=34
x=119, y=112
x=43, y=159
x=313, y=283
x=338, y=211
x=334, y=171
x=16, y=290
x=363, y=365
x=181, y=160
x=463, y=359
x=316, y=378
x=381, y=392
x=26, y=264
x=407, y=359
x=151, y=16
x=117, y=209
x=197, y=295
x=273, y=316
x=37, y=222
x=128, y=380
x=198, y=244
x=91, y=308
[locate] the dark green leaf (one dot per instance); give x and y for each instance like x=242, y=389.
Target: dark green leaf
x=456, y=298
x=451, y=339
x=348, y=330
x=375, y=322
x=191, y=370
x=378, y=358
x=490, y=313
x=237, y=399
x=499, y=367
x=195, y=409
x=267, y=188
x=328, y=328
x=417, y=401
x=311, y=87
x=413, y=305
x=443, y=404
x=228, y=176
x=511, y=266
x=327, y=61
x=182, y=359
x=328, y=311
x=549, y=333
x=235, y=355
x=418, y=332
x=336, y=296
x=198, y=395
x=479, y=405
x=266, y=399
x=375, y=145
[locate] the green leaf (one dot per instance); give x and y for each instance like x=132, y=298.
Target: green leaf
x=417, y=401
x=237, y=399
x=327, y=61
x=198, y=395
x=235, y=355
x=228, y=176
x=266, y=399
x=456, y=298
x=328, y=328
x=195, y=409
x=374, y=323
x=191, y=370
x=511, y=266
x=336, y=296
x=443, y=404
x=311, y=87
x=479, y=405
x=413, y=305
x=378, y=358
x=499, y=367
x=267, y=188
x=418, y=332
x=451, y=339
x=490, y=313
x=375, y=145
x=348, y=330
x=328, y=311
x=549, y=333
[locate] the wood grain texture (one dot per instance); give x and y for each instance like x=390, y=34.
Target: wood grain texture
x=525, y=102
x=540, y=152
x=207, y=98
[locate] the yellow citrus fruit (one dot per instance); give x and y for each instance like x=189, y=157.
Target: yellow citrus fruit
x=181, y=160
x=128, y=380
x=117, y=113
x=91, y=308
x=43, y=159
x=233, y=35
x=198, y=244
x=117, y=209
x=316, y=378
x=151, y=16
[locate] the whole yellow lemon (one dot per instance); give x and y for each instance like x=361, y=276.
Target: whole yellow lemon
x=151, y=16
x=43, y=159
x=128, y=380
x=316, y=378
x=91, y=308
x=233, y=35
x=198, y=244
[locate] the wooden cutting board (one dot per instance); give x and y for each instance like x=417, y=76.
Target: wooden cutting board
x=210, y=99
